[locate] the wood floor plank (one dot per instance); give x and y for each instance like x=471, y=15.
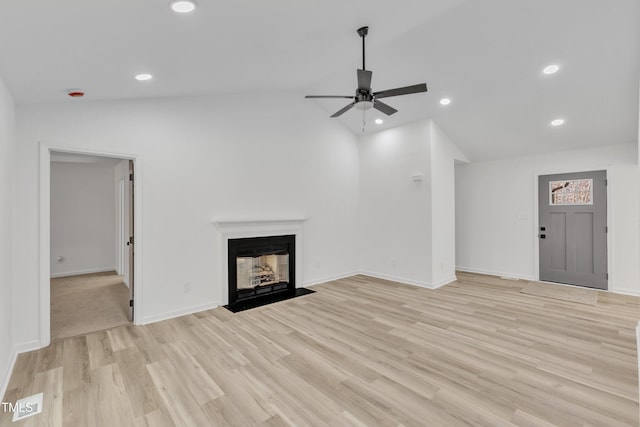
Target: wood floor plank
x=178, y=401
x=50, y=384
x=100, y=351
x=109, y=398
x=75, y=354
x=198, y=381
x=358, y=352
x=157, y=418
x=142, y=393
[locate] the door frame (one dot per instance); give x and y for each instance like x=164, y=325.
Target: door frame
x=45, y=231
x=536, y=219
x=121, y=228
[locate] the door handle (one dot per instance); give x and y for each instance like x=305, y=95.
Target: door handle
x=543, y=236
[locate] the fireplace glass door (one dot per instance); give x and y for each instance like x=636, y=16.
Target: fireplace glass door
x=259, y=266
x=265, y=270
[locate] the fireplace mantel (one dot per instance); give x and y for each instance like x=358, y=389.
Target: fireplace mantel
x=243, y=223
x=237, y=228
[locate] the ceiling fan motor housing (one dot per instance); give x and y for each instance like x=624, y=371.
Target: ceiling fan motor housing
x=363, y=95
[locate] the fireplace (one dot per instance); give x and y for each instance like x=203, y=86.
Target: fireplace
x=260, y=266
x=261, y=270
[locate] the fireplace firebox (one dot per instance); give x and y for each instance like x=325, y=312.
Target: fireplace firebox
x=261, y=271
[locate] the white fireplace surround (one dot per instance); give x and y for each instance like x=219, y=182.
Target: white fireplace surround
x=243, y=228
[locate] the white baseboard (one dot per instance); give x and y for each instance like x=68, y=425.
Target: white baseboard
x=383, y=276
x=314, y=282
x=443, y=282
x=495, y=273
x=80, y=272
x=17, y=349
x=399, y=279
x=632, y=292
x=177, y=313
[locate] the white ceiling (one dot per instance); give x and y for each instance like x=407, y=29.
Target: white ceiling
x=486, y=55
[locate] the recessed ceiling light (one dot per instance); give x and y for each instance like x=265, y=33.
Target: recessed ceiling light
x=379, y=121
x=445, y=101
x=557, y=122
x=183, y=6
x=143, y=77
x=550, y=69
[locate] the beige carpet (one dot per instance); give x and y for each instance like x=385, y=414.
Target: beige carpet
x=562, y=292
x=87, y=303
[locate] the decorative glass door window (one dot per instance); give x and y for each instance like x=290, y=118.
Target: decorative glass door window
x=572, y=192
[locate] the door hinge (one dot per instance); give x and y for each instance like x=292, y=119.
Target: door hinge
x=606, y=228
x=606, y=276
x=130, y=303
x=131, y=177
x=131, y=240
x=606, y=182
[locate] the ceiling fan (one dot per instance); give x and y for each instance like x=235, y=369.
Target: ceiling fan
x=364, y=99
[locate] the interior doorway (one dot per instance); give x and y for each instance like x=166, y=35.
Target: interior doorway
x=572, y=210
x=91, y=288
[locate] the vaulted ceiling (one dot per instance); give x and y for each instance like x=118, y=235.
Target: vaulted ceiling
x=486, y=56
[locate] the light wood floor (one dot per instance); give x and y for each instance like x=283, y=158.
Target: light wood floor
x=358, y=352
x=88, y=303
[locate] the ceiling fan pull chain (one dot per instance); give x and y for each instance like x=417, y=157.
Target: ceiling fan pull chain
x=364, y=122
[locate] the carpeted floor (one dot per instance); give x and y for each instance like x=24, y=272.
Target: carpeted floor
x=87, y=303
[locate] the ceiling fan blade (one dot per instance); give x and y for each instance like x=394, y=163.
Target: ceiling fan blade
x=344, y=110
x=381, y=106
x=327, y=96
x=364, y=79
x=422, y=87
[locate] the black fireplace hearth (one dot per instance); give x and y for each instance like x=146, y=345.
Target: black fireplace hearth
x=261, y=271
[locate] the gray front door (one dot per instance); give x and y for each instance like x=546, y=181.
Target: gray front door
x=573, y=228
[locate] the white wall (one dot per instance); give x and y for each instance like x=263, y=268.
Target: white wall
x=203, y=158
x=395, y=212
x=407, y=227
x=624, y=217
x=444, y=154
x=7, y=161
x=83, y=219
x=495, y=213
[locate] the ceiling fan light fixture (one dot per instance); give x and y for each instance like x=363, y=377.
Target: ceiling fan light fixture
x=364, y=105
x=182, y=6
x=550, y=69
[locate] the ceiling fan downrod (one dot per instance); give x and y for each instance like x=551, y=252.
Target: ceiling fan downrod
x=362, y=32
